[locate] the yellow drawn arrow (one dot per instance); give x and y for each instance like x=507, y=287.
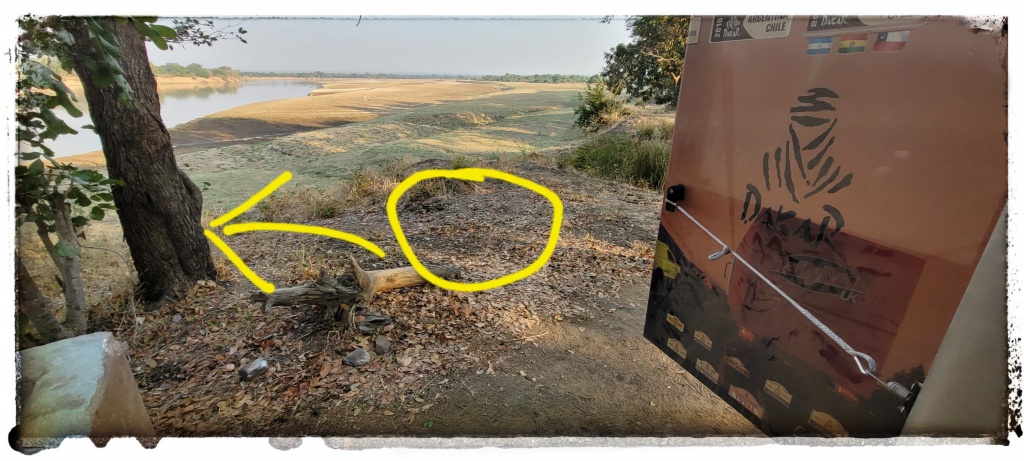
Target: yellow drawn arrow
x=232, y=229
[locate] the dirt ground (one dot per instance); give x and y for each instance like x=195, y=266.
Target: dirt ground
x=559, y=353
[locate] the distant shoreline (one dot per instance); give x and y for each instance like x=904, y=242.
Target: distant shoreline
x=337, y=102
x=75, y=84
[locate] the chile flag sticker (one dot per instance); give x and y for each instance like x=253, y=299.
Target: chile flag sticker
x=891, y=41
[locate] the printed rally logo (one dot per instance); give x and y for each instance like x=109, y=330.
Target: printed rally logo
x=467, y=174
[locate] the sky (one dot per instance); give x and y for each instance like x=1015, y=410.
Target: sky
x=409, y=45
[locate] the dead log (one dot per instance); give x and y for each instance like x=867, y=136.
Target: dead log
x=342, y=298
x=373, y=282
x=324, y=291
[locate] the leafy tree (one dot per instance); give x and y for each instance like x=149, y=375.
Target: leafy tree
x=597, y=108
x=57, y=198
x=158, y=206
x=648, y=69
x=197, y=70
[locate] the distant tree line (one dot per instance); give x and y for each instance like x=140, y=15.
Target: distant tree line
x=536, y=78
x=379, y=75
x=194, y=70
x=540, y=78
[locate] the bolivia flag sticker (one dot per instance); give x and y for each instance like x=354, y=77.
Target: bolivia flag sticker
x=853, y=43
x=891, y=41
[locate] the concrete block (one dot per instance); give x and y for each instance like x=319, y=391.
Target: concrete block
x=78, y=387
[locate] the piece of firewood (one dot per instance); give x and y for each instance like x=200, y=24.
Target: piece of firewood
x=373, y=282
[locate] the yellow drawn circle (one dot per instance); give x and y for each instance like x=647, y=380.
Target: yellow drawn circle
x=474, y=174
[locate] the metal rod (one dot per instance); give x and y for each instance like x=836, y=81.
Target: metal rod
x=867, y=368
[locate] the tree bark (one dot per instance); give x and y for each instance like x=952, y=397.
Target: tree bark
x=36, y=307
x=70, y=267
x=159, y=206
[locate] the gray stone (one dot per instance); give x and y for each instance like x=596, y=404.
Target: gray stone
x=78, y=387
x=356, y=358
x=253, y=369
x=381, y=345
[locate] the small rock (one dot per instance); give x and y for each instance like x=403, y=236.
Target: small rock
x=229, y=367
x=253, y=369
x=381, y=345
x=357, y=358
x=176, y=318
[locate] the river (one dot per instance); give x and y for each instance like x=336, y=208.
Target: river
x=182, y=104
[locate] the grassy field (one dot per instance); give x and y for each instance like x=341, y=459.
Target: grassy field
x=445, y=119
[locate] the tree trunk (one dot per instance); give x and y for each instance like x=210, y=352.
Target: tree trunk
x=36, y=307
x=158, y=205
x=70, y=267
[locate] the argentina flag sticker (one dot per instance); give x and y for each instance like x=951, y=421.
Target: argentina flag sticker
x=817, y=46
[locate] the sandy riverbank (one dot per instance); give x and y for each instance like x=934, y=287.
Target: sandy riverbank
x=337, y=102
x=75, y=84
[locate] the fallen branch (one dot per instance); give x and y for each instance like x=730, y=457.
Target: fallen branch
x=373, y=282
x=340, y=297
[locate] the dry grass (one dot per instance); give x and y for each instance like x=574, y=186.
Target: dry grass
x=366, y=187
x=639, y=158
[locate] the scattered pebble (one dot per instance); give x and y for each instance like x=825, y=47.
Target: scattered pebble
x=357, y=358
x=381, y=345
x=253, y=369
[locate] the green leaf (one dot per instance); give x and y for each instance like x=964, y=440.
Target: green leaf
x=96, y=214
x=88, y=175
x=83, y=201
x=68, y=105
x=157, y=39
x=65, y=250
x=79, y=221
x=35, y=167
x=164, y=31
x=64, y=36
x=54, y=125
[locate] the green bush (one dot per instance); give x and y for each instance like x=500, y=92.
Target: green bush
x=597, y=108
x=630, y=159
x=661, y=129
